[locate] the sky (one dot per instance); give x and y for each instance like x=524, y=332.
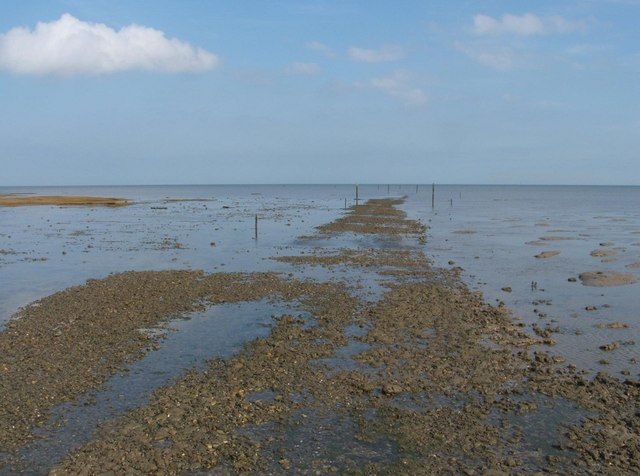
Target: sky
x=204, y=92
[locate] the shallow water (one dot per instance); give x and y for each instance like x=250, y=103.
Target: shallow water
x=47, y=249
x=496, y=255
x=218, y=332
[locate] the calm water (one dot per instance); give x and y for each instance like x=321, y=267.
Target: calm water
x=46, y=249
x=499, y=254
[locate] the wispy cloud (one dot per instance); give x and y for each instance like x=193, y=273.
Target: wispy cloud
x=69, y=46
x=321, y=48
x=398, y=86
x=496, y=57
x=585, y=49
x=382, y=54
x=254, y=77
x=304, y=69
x=527, y=24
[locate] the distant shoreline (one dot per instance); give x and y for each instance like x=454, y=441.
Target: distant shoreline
x=18, y=200
x=341, y=184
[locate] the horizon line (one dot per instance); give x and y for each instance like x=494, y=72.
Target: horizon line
x=413, y=184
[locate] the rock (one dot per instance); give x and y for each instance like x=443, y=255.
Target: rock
x=507, y=289
x=391, y=389
x=603, y=253
x=609, y=347
x=547, y=254
x=613, y=325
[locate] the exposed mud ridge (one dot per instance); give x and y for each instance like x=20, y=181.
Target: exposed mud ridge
x=429, y=379
x=57, y=348
x=18, y=200
x=426, y=385
x=197, y=424
x=607, y=278
x=547, y=254
x=366, y=257
x=379, y=216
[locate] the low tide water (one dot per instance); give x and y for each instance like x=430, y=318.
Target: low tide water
x=494, y=234
x=485, y=230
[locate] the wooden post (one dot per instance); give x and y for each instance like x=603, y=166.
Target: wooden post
x=433, y=195
x=256, y=227
x=345, y=203
x=452, y=202
x=357, y=195
x=416, y=188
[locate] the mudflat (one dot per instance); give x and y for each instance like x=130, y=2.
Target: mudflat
x=19, y=200
x=58, y=348
x=607, y=278
x=428, y=378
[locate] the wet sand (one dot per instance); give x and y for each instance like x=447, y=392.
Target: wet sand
x=18, y=200
x=429, y=378
x=547, y=254
x=607, y=278
x=72, y=341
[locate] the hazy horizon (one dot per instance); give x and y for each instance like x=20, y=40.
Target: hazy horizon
x=301, y=184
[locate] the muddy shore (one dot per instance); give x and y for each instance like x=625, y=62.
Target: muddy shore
x=429, y=378
x=72, y=341
x=19, y=200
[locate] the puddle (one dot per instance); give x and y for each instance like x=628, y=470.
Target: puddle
x=329, y=443
x=220, y=331
x=539, y=431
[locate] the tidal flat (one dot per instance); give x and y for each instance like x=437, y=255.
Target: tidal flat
x=20, y=200
x=370, y=356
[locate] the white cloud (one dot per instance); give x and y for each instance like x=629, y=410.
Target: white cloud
x=68, y=46
x=304, y=69
x=385, y=53
x=501, y=58
x=321, y=48
x=398, y=87
x=527, y=24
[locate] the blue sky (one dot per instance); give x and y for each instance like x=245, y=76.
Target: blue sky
x=320, y=92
